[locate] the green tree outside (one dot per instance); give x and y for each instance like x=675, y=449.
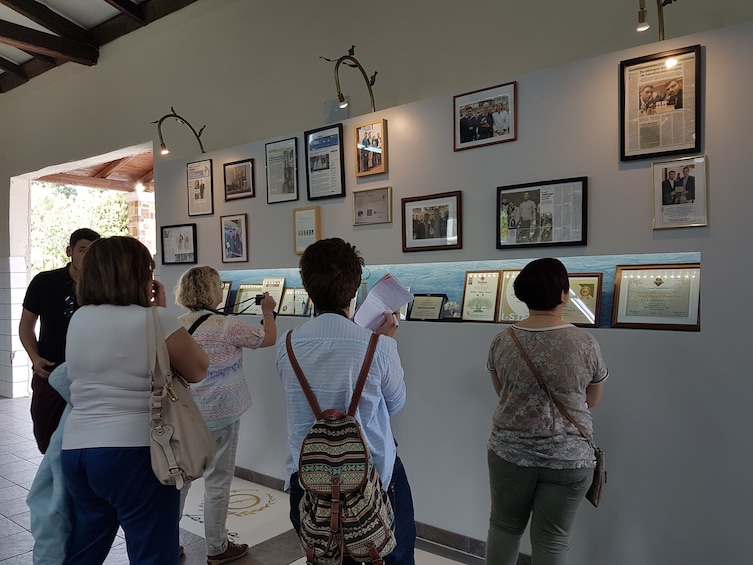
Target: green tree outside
x=58, y=210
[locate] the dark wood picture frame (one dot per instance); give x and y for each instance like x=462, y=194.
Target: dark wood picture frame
x=443, y=229
x=239, y=180
x=474, y=121
x=325, y=162
x=178, y=244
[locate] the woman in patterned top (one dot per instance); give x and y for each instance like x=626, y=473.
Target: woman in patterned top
x=540, y=466
x=223, y=396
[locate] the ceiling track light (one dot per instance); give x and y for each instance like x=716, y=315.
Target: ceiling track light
x=163, y=148
x=643, y=24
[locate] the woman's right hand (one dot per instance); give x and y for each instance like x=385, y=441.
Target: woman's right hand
x=268, y=304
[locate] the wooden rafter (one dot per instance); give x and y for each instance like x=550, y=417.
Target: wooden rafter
x=91, y=182
x=110, y=168
x=130, y=9
x=35, y=41
x=42, y=15
x=11, y=67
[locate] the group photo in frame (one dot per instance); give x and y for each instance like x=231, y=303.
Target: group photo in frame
x=372, y=206
x=433, y=222
x=282, y=170
x=548, y=213
x=371, y=148
x=485, y=116
x=660, y=104
x=239, y=180
x=325, y=162
x=179, y=244
x=307, y=227
x=199, y=188
x=234, y=238
x=582, y=308
x=680, y=193
x=657, y=297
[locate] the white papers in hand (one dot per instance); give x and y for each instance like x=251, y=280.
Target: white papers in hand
x=387, y=295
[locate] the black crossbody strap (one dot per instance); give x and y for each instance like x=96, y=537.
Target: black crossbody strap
x=197, y=323
x=359, y=385
x=554, y=400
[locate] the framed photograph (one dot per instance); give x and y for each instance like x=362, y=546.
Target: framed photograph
x=234, y=238
x=427, y=307
x=585, y=298
x=680, y=193
x=542, y=213
x=239, y=180
x=372, y=206
x=480, y=296
x=179, y=244
x=245, y=299
x=226, y=287
x=307, y=228
x=433, y=222
x=657, y=297
x=200, y=189
x=282, y=170
x=511, y=309
x=325, y=163
x=660, y=104
x=371, y=148
x=485, y=117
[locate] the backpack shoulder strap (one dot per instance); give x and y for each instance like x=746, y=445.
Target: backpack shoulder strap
x=363, y=374
x=307, y=389
x=301, y=379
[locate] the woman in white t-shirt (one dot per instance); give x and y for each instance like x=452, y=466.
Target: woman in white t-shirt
x=105, y=455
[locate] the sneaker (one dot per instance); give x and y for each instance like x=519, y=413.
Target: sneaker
x=234, y=551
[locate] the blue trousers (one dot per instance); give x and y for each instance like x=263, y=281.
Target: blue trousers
x=402, y=504
x=550, y=497
x=111, y=486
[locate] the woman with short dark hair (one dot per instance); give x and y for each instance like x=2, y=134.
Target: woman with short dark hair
x=540, y=466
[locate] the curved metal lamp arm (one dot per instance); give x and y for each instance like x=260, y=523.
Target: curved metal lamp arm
x=660, y=12
x=363, y=72
x=183, y=121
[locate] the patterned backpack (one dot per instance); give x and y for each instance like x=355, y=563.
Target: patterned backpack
x=345, y=509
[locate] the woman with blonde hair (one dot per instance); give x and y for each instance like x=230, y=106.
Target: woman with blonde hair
x=223, y=396
x=105, y=455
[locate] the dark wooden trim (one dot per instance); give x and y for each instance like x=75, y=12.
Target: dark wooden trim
x=11, y=67
x=35, y=41
x=129, y=9
x=44, y=16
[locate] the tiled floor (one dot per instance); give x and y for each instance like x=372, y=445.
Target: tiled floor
x=19, y=459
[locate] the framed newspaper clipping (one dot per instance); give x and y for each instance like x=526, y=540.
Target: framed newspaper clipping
x=657, y=297
x=660, y=104
x=325, y=163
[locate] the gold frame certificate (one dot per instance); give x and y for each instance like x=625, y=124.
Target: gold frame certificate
x=480, y=296
x=511, y=309
x=660, y=297
x=427, y=307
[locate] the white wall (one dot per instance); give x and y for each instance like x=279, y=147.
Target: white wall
x=676, y=412
x=676, y=407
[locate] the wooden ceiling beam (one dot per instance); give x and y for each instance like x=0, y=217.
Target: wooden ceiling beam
x=90, y=182
x=148, y=177
x=11, y=67
x=44, y=16
x=35, y=41
x=129, y=9
x=110, y=168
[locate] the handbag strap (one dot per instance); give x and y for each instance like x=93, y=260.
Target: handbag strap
x=553, y=399
x=359, y=384
x=159, y=364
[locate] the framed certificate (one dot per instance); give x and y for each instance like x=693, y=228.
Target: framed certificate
x=511, y=309
x=658, y=297
x=307, y=228
x=287, y=305
x=275, y=287
x=226, y=286
x=427, y=307
x=480, y=296
x=585, y=298
x=372, y=206
x=245, y=299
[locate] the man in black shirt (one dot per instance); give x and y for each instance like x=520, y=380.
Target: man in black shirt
x=51, y=298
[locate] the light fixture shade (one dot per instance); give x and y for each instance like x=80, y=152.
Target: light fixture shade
x=642, y=21
x=343, y=101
